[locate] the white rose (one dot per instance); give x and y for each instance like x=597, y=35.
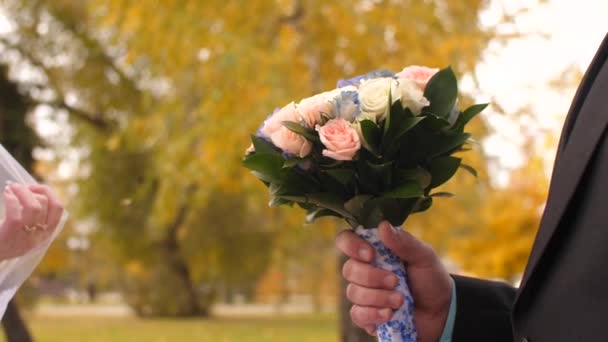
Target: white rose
x=412, y=96
x=373, y=95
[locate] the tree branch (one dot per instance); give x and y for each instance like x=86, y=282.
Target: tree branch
x=96, y=120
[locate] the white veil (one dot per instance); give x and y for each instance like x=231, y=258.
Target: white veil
x=14, y=272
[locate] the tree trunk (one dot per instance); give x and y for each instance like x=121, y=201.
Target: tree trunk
x=14, y=326
x=349, y=332
x=176, y=261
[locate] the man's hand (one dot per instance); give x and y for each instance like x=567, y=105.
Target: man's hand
x=371, y=290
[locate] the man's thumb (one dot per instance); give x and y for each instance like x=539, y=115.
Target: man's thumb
x=409, y=249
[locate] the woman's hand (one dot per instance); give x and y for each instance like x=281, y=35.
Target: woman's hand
x=33, y=212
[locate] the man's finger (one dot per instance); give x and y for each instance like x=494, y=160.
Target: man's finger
x=364, y=296
x=406, y=246
x=353, y=246
x=364, y=316
x=364, y=274
x=370, y=329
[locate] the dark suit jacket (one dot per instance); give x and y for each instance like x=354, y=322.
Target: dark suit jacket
x=564, y=292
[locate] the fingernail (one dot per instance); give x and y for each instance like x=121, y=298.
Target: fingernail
x=390, y=281
x=396, y=300
x=385, y=313
x=365, y=254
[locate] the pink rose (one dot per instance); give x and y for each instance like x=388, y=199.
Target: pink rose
x=419, y=74
x=275, y=121
x=291, y=142
x=340, y=139
x=312, y=108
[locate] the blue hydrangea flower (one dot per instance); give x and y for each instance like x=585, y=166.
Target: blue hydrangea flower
x=346, y=105
x=357, y=79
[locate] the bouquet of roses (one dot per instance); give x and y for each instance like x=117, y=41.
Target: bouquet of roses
x=371, y=150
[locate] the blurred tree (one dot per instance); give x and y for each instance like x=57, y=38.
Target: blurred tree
x=508, y=220
x=163, y=96
x=222, y=61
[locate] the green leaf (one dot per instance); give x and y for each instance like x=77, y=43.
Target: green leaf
x=291, y=162
x=343, y=176
x=393, y=110
x=442, y=194
x=409, y=189
x=263, y=146
x=422, y=176
x=276, y=189
x=470, y=113
x=442, y=169
x=316, y=214
x=372, y=214
x=442, y=91
x=356, y=204
x=398, y=125
x=406, y=125
x=382, y=174
x=324, y=200
x=423, y=204
x=394, y=210
x=299, y=199
x=470, y=169
x=307, y=133
x=299, y=182
x=278, y=201
x=435, y=122
x=266, y=166
x=449, y=143
x=306, y=206
x=371, y=135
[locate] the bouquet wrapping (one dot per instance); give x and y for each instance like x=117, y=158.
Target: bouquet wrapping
x=371, y=150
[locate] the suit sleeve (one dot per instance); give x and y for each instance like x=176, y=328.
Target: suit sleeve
x=483, y=310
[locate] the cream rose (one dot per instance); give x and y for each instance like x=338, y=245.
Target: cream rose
x=275, y=121
x=412, y=96
x=312, y=108
x=291, y=142
x=419, y=74
x=373, y=96
x=340, y=139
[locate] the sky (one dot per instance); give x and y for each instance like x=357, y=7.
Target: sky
x=560, y=34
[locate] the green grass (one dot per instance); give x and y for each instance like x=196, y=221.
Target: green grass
x=317, y=328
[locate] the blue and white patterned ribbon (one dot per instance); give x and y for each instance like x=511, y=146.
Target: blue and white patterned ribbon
x=401, y=326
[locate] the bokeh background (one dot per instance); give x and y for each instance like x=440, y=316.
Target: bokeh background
x=138, y=113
